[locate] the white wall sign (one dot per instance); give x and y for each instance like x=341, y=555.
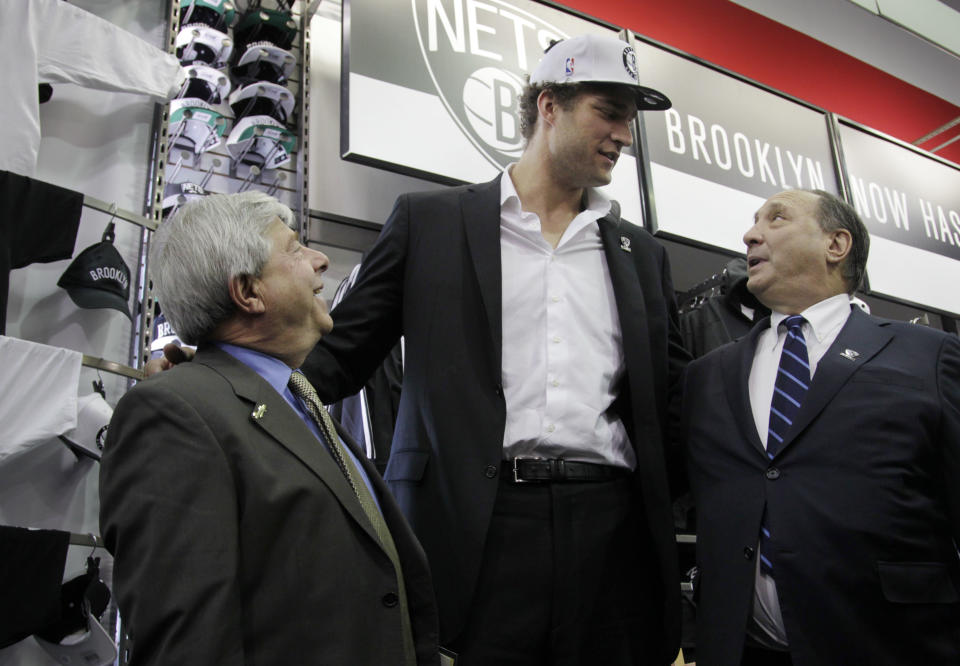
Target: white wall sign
x=431, y=86
x=910, y=202
x=725, y=147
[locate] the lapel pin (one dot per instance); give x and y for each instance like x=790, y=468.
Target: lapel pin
x=258, y=413
x=625, y=244
x=850, y=354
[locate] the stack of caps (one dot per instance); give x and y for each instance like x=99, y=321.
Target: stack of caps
x=199, y=116
x=261, y=104
x=263, y=37
x=202, y=39
x=177, y=194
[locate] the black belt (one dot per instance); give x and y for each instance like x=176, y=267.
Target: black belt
x=532, y=470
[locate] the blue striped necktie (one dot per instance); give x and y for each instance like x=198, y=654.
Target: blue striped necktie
x=793, y=379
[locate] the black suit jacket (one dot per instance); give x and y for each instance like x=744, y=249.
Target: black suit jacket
x=434, y=276
x=237, y=538
x=863, y=499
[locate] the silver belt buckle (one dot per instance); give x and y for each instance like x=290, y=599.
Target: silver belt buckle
x=516, y=469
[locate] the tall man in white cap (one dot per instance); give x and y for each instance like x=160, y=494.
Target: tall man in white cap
x=541, y=353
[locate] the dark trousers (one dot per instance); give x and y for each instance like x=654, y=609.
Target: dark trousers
x=564, y=581
x=758, y=656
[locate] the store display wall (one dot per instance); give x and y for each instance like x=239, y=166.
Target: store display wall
x=97, y=143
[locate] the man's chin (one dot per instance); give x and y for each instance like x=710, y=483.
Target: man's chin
x=602, y=179
x=755, y=286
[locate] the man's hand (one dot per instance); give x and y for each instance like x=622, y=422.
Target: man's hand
x=173, y=354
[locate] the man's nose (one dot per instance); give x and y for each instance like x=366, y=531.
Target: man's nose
x=321, y=262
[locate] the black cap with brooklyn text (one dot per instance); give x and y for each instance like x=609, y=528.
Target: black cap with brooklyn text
x=99, y=277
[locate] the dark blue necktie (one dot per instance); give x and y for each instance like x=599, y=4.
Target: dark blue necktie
x=793, y=379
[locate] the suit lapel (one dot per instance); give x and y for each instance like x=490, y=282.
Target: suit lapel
x=737, y=362
x=270, y=413
x=480, y=214
x=859, y=340
x=631, y=304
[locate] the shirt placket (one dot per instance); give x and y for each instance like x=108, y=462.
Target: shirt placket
x=556, y=344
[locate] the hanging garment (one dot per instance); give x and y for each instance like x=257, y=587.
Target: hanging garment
x=40, y=402
x=722, y=318
x=52, y=41
x=31, y=569
x=38, y=224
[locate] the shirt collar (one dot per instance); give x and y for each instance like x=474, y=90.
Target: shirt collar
x=597, y=204
x=274, y=371
x=822, y=318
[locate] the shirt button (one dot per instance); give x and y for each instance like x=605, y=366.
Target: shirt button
x=551, y=428
x=555, y=383
x=773, y=473
x=748, y=553
x=555, y=299
x=556, y=339
x=390, y=600
x=490, y=471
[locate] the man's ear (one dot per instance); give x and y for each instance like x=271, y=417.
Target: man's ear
x=547, y=106
x=838, y=247
x=245, y=292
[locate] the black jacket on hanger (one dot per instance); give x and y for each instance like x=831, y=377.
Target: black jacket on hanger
x=719, y=318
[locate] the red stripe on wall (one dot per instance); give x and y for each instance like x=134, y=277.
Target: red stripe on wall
x=761, y=49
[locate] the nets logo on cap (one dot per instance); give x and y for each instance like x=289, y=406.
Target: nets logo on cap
x=479, y=81
x=630, y=63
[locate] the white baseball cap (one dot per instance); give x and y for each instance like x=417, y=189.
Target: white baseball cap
x=93, y=416
x=596, y=58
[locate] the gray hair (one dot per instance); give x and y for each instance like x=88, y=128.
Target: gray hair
x=195, y=254
x=834, y=213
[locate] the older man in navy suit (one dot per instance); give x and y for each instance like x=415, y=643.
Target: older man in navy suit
x=824, y=456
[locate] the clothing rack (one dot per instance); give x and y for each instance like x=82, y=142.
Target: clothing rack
x=91, y=540
x=75, y=539
x=112, y=366
x=111, y=209
x=714, y=280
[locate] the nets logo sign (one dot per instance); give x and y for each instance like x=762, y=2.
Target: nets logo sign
x=431, y=88
x=477, y=55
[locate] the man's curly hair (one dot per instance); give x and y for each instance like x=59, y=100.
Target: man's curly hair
x=563, y=93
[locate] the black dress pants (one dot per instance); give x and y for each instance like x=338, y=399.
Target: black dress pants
x=565, y=579
x=757, y=656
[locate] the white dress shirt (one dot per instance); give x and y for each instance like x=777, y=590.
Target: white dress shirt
x=562, y=345
x=823, y=322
